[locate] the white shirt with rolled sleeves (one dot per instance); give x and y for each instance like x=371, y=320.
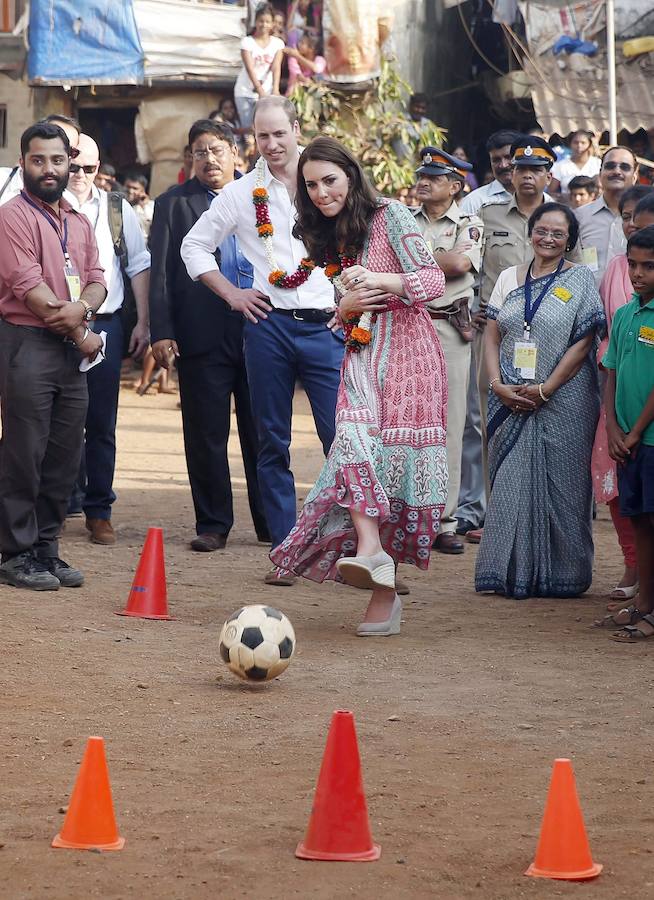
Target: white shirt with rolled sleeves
x=138, y=256
x=233, y=212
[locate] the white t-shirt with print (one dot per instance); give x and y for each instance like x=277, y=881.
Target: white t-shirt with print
x=262, y=60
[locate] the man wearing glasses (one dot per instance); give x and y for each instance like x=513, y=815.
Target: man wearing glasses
x=189, y=322
x=99, y=453
x=619, y=172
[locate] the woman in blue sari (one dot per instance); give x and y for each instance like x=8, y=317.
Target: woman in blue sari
x=544, y=323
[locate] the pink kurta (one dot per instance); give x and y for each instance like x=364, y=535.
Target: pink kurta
x=615, y=291
x=388, y=459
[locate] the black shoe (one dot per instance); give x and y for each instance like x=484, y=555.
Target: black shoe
x=448, y=543
x=208, y=542
x=463, y=526
x=67, y=575
x=26, y=571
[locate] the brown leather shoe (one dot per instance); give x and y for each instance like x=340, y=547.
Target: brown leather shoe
x=279, y=577
x=206, y=543
x=474, y=536
x=102, y=531
x=449, y=542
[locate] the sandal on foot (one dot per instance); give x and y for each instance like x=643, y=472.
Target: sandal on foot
x=628, y=615
x=368, y=572
x=619, y=595
x=634, y=634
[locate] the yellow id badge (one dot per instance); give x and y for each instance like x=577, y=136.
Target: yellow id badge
x=524, y=358
x=589, y=258
x=74, y=283
x=646, y=335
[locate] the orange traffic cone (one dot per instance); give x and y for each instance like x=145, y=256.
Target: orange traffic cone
x=563, y=850
x=339, y=828
x=90, y=822
x=147, y=597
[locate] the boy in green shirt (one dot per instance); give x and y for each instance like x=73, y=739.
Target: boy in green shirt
x=630, y=422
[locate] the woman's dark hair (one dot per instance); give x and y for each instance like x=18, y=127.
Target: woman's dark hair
x=645, y=204
x=573, y=225
x=643, y=238
x=637, y=192
x=264, y=8
x=324, y=236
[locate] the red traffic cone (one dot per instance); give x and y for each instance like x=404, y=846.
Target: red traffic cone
x=147, y=597
x=339, y=828
x=90, y=822
x=563, y=851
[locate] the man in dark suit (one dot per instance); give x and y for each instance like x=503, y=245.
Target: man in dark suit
x=189, y=322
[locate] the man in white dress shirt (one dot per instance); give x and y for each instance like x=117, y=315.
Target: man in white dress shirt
x=289, y=331
x=104, y=379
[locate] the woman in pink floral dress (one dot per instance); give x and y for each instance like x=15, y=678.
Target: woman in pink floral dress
x=380, y=495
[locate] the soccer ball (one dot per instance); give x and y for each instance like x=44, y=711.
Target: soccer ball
x=257, y=643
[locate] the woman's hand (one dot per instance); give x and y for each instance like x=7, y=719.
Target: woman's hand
x=531, y=392
x=509, y=396
x=356, y=302
x=618, y=449
x=356, y=277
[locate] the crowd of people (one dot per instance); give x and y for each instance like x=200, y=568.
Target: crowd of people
x=478, y=365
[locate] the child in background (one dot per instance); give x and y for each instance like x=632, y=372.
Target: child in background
x=582, y=189
x=630, y=423
x=303, y=64
x=262, y=55
x=304, y=17
x=279, y=25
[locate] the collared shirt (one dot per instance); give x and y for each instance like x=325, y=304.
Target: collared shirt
x=631, y=354
x=96, y=210
x=449, y=232
x=31, y=254
x=506, y=243
x=233, y=212
x=484, y=195
x=595, y=221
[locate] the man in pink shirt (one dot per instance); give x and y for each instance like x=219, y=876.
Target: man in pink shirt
x=51, y=284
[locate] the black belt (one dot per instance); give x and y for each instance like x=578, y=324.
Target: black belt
x=306, y=315
x=103, y=317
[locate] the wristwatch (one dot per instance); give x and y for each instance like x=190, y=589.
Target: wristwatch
x=89, y=312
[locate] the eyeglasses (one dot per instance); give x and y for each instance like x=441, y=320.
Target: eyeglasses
x=624, y=167
x=74, y=169
x=217, y=151
x=545, y=232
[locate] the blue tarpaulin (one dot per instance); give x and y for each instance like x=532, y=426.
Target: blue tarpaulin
x=84, y=42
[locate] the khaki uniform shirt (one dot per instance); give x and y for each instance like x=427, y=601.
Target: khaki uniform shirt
x=595, y=225
x=452, y=230
x=505, y=244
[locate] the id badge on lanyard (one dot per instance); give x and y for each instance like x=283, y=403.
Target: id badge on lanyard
x=73, y=280
x=525, y=352
x=525, y=355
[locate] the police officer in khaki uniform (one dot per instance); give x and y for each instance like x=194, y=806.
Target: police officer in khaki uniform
x=455, y=241
x=505, y=237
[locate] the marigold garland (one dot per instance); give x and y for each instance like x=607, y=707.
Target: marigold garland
x=358, y=329
x=278, y=277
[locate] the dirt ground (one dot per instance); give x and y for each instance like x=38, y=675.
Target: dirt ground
x=459, y=718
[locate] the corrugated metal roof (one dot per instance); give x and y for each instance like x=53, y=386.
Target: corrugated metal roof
x=565, y=99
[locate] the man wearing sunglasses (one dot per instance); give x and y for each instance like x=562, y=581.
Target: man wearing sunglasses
x=619, y=172
x=11, y=179
x=104, y=380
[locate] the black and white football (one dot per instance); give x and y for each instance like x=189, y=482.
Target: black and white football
x=257, y=643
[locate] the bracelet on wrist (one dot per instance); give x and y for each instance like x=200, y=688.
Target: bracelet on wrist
x=492, y=382
x=542, y=395
x=86, y=334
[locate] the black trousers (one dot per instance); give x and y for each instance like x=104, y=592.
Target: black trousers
x=207, y=383
x=43, y=396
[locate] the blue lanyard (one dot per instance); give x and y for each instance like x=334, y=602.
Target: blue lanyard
x=531, y=305
x=49, y=218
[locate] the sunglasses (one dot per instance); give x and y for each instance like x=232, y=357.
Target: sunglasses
x=75, y=167
x=624, y=167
